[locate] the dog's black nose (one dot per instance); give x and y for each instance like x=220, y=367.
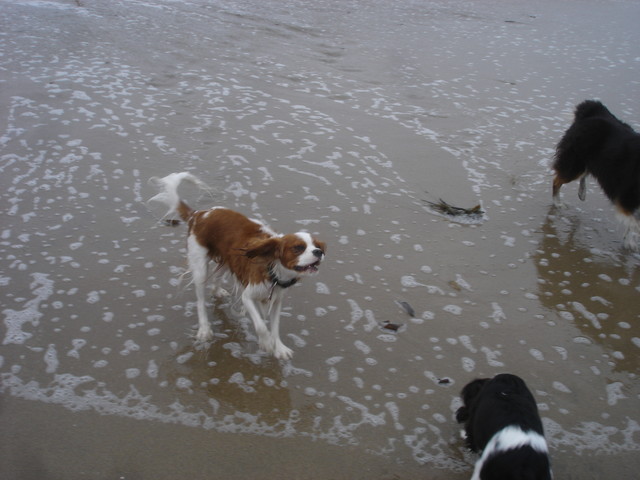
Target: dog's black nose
x=318, y=253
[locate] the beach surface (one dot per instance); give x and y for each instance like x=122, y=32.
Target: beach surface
x=342, y=118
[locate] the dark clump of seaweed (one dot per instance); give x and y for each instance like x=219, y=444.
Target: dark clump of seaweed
x=444, y=208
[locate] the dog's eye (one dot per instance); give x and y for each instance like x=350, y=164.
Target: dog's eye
x=299, y=248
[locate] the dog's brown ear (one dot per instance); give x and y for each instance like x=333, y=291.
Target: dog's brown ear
x=264, y=248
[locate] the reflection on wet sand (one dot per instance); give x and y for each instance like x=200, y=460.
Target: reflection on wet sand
x=584, y=287
x=233, y=383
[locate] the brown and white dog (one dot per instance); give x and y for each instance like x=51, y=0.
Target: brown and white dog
x=260, y=263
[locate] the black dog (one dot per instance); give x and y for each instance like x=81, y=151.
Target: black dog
x=502, y=423
x=599, y=144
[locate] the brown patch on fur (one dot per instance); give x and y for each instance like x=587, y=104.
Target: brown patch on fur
x=235, y=242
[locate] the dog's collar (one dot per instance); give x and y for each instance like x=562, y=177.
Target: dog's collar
x=276, y=282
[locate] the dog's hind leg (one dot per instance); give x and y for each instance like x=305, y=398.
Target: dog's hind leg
x=631, y=237
x=217, y=279
x=566, y=173
x=558, y=181
x=198, y=264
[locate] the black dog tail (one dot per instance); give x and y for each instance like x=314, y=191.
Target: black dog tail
x=591, y=125
x=591, y=108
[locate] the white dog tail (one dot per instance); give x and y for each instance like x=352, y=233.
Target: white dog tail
x=168, y=193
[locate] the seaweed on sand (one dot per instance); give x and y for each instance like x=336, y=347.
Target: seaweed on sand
x=444, y=208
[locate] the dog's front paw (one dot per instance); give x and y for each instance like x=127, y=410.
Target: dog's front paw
x=204, y=334
x=282, y=352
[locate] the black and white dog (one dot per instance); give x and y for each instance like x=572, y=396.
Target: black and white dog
x=502, y=424
x=599, y=144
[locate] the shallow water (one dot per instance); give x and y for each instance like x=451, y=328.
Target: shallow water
x=340, y=120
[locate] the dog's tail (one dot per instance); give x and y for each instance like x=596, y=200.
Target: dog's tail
x=168, y=193
x=591, y=108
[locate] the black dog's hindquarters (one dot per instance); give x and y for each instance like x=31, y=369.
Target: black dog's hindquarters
x=502, y=424
x=599, y=144
x=492, y=404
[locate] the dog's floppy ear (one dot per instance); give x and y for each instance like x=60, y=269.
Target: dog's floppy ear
x=462, y=414
x=472, y=389
x=264, y=248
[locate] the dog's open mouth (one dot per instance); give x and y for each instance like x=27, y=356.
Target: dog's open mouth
x=312, y=268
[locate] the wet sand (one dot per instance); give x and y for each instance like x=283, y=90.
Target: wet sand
x=343, y=121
